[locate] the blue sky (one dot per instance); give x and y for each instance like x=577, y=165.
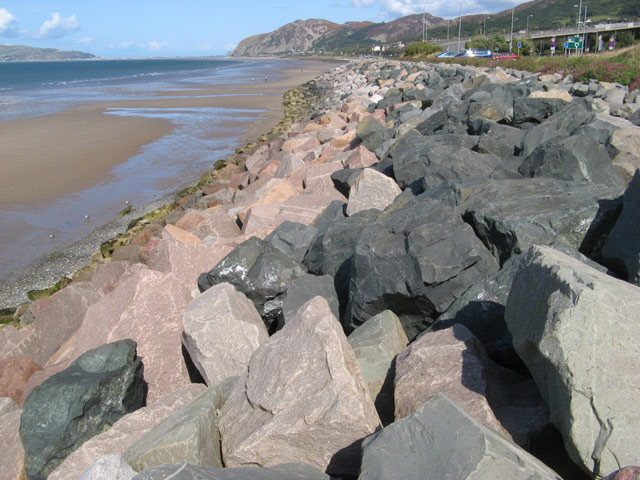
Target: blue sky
x=142, y=28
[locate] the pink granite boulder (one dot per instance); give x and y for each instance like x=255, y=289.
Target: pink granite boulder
x=452, y=362
x=302, y=398
x=222, y=329
x=360, y=157
x=12, y=457
x=372, y=189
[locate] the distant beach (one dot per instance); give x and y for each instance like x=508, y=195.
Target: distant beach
x=75, y=153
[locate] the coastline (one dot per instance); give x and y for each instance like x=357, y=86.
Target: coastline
x=264, y=100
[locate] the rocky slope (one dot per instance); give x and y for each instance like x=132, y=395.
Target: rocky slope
x=9, y=53
x=433, y=275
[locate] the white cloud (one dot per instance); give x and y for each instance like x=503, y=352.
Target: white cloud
x=444, y=8
x=7, y=23
x=58, y=27
x=152, y=45
x=85, y=41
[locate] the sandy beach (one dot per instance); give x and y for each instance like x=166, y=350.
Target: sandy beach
x=47, y=157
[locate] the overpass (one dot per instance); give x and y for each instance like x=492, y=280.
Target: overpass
x=604, y=29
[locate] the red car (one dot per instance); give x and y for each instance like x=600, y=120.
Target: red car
x=506, y=56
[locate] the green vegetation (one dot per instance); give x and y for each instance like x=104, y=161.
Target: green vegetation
x=125, y=211
x=6, y=316
x=421, y=48
x=47, y=292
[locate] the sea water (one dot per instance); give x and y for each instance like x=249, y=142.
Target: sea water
x=200, y=136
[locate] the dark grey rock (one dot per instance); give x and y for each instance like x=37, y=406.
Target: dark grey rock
x=292, y=239
x=578, y=158
x=511, y=215
x=344, y=179
x=414, y=94
x=372, y=133
x=260, y=271
x=78, y=403
x=335, y=211
x=287, y=471
x=303, y=289
x=415, y=260
x=621, y=251
x=333, y=247
x=440, y=440
x=535, y=110
x=434, y=123
x=501, y=140
x=421, y=163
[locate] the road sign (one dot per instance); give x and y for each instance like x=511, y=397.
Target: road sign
x=519, y=45
x=574, y=43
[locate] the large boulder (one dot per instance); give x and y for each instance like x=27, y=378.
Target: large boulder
x=625, y=144
x=372, y=133
x=528, y=110
x=302, y=290
x=292, y=238
x=372, y=189
x=260, y=271
x=124, y=433
x=78, y=403
x=133, y=311
x=511, y=215
x=289, y=471
x=14, y=373
x=452, y=362
x=301, y=399
x=422, y=163
x=109, y=467
x=375, y=345
x=446, y=442
x=189, y=435
x=222, y=329
x=576, y=158
x=621, y=251
x=566, y=318
x=414, y=260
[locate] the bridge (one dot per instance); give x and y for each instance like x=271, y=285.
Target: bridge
x=605, y=29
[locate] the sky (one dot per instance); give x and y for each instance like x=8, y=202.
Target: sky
x=146, y=28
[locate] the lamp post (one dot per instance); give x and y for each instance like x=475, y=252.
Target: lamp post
x=511, y=37
x=459, y=27
x=584, y=27
x=528, y=23
x=484, y=28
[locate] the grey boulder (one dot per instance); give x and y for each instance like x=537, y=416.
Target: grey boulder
x=302, y=290
x=288, y=471
x=78, y=403
x=292, y=238
x=576, y=329
x=446, y=442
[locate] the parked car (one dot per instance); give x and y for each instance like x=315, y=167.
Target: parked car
x=446, y=55
x=506, y=56
x=475, y=52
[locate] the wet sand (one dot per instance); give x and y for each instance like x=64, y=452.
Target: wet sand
x=48, y=157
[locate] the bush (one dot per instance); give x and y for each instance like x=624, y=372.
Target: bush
x=421, y=48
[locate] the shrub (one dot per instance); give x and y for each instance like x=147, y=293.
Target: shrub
x=421, y=48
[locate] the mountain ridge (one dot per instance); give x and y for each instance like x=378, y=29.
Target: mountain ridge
x=16, y=53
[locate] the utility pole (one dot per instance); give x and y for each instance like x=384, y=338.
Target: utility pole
x=485, y=26
x=459, y=27
x=584, y=28
x=511, y=38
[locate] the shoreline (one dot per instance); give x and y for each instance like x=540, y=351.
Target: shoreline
x=68, y=258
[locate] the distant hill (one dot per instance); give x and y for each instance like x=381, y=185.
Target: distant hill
x=306, y=36
x=13, y=53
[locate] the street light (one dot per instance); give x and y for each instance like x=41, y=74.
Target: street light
x=484, y=29
x=511, y=38
x=459, y=27
x=528, y=22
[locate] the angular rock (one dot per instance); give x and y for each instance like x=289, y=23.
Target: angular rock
x=320, y=175
x=621, y=251
x=415, y=260
x=372, y=189
x=8, y=405
x=302, y=290
x=189, y=435
x=375, y=345
x=222, y=329
x=133, y=311
x=184, y=255
x=289, y=163
x=289, y=471
x=109, y=467
x=626, y=145
x=292, y=239
x=446, y=443
x=360, y=157
x=627, y=473
x=302, y=399
x=71, y=407
x=124, y=433
x=449, y=361
x=576, y=158
x=216, y=223
x=535, y=110
x=14, y=373
x=372, y=133
x=344, y=179
x=564, y=317
x=12, y=464
x=260, y=271
x=511, y=215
